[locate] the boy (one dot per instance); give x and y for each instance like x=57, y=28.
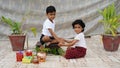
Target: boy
x=77, y=47
x=48, y=36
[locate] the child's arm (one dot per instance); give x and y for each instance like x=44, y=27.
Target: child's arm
x=55, y=36
x=53, y=41
x=68, y=44
x=68, y=41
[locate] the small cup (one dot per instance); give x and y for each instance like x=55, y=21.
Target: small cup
x=28, y=52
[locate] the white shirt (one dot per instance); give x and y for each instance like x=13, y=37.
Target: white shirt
x=48, y=24
x=81, y=42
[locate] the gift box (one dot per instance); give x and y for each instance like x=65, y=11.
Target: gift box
x=27, y=59
x=19, y=56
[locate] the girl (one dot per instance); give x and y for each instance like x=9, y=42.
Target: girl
x=77, y=47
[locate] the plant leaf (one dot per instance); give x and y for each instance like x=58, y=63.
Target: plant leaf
x=34, y=31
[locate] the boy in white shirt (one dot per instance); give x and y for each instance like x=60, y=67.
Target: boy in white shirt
x=48, y=36
x=77, y=47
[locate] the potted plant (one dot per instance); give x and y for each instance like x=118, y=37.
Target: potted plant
x=111, y=23
x=17, y=37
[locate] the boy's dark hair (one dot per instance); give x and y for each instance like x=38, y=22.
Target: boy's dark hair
x=50, y=9
x=80, y=22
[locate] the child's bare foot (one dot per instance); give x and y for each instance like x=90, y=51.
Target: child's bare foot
x=41, y=47
x=48, y=43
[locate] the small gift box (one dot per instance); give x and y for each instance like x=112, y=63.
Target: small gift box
x=27, y=59
x=19, y=56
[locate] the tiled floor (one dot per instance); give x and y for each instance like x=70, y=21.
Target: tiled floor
x=96, y=57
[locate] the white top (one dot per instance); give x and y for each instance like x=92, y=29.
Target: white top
x=81, y=42
x=48, y=24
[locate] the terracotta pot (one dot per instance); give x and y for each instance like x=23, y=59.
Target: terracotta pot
x=111, y=43
x=17, y=42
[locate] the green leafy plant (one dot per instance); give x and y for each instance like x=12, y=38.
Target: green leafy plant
x=15, y=26
x=54, y=50
x=111, y=20
x=34, y=31
x=42, y=49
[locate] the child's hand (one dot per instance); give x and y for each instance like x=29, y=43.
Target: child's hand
x=60, y=44
x=48, y=43
x=68, y=47
x=62, y=40
x=69, y=41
